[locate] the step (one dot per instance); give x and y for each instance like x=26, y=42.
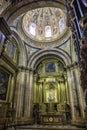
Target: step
x=50, y=127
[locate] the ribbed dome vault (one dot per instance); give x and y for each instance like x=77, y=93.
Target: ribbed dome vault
x=44, y=24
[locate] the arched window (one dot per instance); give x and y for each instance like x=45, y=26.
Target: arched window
x=61, y=25
x=47, y=31
x=32, y=29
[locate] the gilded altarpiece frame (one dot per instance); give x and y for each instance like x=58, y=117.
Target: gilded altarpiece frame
x=50, y=93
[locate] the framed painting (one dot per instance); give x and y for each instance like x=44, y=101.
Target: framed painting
x=4, y=79
x=50, y=67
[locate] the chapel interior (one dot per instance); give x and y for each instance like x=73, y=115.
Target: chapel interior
x=43, y=64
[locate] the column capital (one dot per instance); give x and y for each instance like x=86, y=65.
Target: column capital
x=31, y=69
x=23, y=68
x=69, y=67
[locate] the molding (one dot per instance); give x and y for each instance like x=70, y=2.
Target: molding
x=73, y=65
x=5, y=29
x=55, y=52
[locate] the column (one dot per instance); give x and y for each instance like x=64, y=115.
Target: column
x=70, y=83
x=11, y=94
x=28, y=112
x=19, y=94
x=40, y=92
x=80, y=96
x=35, y=90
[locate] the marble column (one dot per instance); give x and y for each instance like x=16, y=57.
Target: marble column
x=35, y=90
x=19, y=94
x=70, y=83
x=28, y=112
x=80, y=93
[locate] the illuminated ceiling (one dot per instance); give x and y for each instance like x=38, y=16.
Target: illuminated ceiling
x=44, y=24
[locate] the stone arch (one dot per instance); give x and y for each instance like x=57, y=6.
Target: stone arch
x=60, y=54
x=23, y=6
x=55, y=52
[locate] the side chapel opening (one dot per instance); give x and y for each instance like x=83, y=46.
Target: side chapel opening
x=51, y=95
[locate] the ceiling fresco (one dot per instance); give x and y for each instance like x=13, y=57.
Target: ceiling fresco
x=44, y=24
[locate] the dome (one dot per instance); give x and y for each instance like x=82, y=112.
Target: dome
x=44, y=24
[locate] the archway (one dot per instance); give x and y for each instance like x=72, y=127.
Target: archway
x=33, y=63
x=51, y=94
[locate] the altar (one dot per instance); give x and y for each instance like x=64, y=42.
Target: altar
x=51, y=118
x=51, y=103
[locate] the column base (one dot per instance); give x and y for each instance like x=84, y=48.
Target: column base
x=80, y=122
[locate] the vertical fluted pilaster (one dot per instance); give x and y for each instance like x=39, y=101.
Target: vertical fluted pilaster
x=19, y=94
x=29, y=96
x=70, y=83
x=81, y=102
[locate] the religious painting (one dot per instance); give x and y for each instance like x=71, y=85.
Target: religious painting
x=40, y=31
x=50, y=93
x=44, y=24
x=50, y=67
x=35, y=17
x=57, y=12
x=4, y=78
x=54, y=30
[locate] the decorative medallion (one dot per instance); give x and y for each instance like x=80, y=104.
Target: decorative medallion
x=50, y=119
